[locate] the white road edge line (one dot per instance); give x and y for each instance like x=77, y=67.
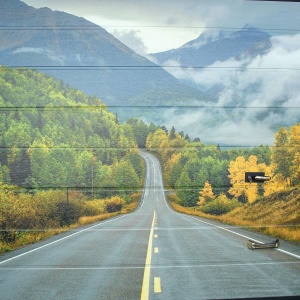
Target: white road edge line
x=244, y=236
x=56, y=241
x=220, y=227
x=66, y=237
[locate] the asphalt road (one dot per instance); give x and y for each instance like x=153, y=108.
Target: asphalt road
x=153, y=253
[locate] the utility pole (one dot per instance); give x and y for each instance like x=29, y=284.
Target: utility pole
x=92, y=179
x=67, y=208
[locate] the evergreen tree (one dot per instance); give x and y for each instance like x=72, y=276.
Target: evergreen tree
x=282, y=158
x=294, y=152
x=185, y=190
x=172, y=134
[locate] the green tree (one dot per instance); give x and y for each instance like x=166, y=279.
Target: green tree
x=294, y=152
x=172, y=134
x=104, y=182
x=281, y=157
x=125, y=177
x=140, y=131
x=84, y=165
x=185, y=190
x=175, y=172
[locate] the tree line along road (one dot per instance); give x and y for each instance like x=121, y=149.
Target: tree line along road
x=153, y=253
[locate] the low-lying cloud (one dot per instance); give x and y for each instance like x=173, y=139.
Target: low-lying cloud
x=255, y=96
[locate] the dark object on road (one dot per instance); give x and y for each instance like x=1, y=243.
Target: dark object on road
x=255, y=245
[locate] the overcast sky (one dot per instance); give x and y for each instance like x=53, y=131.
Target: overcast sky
x=159, y=25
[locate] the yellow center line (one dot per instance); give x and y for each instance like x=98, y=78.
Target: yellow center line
x=146, y=279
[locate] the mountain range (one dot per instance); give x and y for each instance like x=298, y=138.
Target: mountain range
x=211, y=47
x=207, y=48
x=210, y=87
x=87, y=57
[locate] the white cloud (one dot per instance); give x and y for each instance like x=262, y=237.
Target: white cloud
x=275, y=75
x=133, y=38
x=29, y=50
x=154, y=26
x=49, y=53
x=258, y=95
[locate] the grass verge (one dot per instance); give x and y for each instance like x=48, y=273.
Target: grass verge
x=33, y=236
x=277, y=215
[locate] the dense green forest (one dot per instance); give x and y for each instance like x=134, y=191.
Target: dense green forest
x=63, y=156
x=55, y=136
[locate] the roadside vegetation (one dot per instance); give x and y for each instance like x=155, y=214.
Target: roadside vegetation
x=209, y=181
x=66, y=161
x=277, y=215
x=27, y=218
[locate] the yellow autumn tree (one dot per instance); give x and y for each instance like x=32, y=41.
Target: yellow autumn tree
x=206, y=194
x=157, y=141
x=237, y=176
x=164, y=149
x=237, y=169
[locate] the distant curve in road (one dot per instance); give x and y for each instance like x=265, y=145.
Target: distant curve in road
x=153, y=253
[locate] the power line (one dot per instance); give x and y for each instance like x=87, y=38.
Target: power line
x=146, y=67
x=104, y=27
x=152, y=107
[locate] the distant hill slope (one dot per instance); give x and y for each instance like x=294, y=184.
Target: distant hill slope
x=206, y=50
x=85, y=56
x=48, y=129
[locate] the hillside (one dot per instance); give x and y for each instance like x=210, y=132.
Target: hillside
x=85, y=56
x=55, y=136
x=276, y=215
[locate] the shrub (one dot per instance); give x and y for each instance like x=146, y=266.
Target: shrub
x=53, y=209
x=67, y=213
x=93, y=208
x=136, y=197
x=114, y=204
x=16, y=215
x=174, y=198
x=221, y=205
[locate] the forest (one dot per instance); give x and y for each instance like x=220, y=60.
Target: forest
x=54, y=136
x=65, y=157
x=209, y=181
x=60, y=148
x=206, y=175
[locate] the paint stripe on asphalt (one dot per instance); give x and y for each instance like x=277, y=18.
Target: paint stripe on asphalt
x=146, y=279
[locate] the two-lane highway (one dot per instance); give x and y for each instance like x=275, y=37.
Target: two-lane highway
x=195, y=258
x=153, y=253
